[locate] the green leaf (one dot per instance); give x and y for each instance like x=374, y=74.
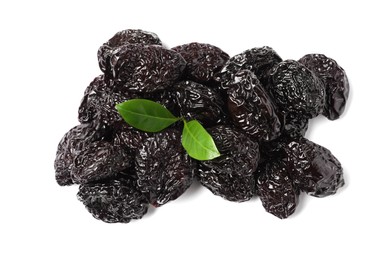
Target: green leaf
x=146, y=115
x=198, y=142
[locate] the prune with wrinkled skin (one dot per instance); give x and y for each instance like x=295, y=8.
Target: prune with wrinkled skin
x=231, y=175
x=314, y=169
x=276, y=190
x=251, y=108
x=296, y=90
x=99, y=160
x=73, y=142
x=196, y=101
x=113, y=200
x=258, y=60
x=129, y=137
x=203, y=60
x=130, y=36
x=163, y=168
x=145, y=68
x=335, y=80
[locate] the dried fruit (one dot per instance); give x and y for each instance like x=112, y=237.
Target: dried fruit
x=203, y=60
x=231, y=175
x=113, y=200
x=251, y=108
x=163, y=168
x=335, y=80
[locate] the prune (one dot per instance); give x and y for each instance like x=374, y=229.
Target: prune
x=113, y=200
x=97, y=161
x=335, y=80
x=231, y=175
x=145, y=68
x=203, y=60
x=163, y=168
x=129, y=137
x=296, y=89
x=130, y=36
x=314, y=169
x=258, y=60
x=276, y=189
x=196, y=101
x=251, y=108
x=73, y=142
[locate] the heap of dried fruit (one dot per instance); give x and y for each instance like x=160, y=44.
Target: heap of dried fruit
x=141, y=139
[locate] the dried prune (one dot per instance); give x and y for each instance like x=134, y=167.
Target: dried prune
x=258, y=60
x=163, y=168
x=203, y=60
x=276, y=189
x=145, y=68
x=251, y=108
x=196, y=101
x=231, y=175
x=313, y=168
x=97, y=161
x=296, y=89
x=128, y=137
x=130, y=36
x=335, y=80
x=73, y=142
x=113, y=200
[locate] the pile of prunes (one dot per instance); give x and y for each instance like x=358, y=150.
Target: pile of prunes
x=255, y=105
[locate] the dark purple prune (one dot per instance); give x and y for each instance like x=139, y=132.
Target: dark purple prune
x=296, y=89
x=335, y=80
x=258, y=60
x=203, y=60
x=130, y=36
x=196, y=101
x=145, y=68
x=99, y=160
x=251, y=108
x=129, y=137
x=276, y=189
x=163, y=168
x=314, y=169
x=113, y=200
x=73, y=142
x=231, y=175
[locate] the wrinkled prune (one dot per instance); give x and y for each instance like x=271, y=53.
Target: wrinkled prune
x=276, y=189
x=203, y=60
x=296, y=89
x=251, y=108
x=130, y=36
x=258, y=60
x=163, y=168
x=129, y=137
x=231, y=175
x=335, y=80
x=73, y=142
x=314, y=169
x=145, y=68
x=113, y=200
x=196, y=101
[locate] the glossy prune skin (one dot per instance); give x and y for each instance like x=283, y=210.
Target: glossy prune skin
x=258, y=60
x=314, y=169
x=275, y=188
x=296, y=90
x=129, y=36
x=203, y=60
x=113, y=200
x=164, y=170
x=99, y=160
x=335, y=81
x=231, y=175
x=145, y=68
x=251, y=108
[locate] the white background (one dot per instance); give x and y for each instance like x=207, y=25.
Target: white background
x=48, y=57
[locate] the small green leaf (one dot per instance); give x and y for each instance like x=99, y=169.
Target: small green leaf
x=146, y=115
x=198, y=142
